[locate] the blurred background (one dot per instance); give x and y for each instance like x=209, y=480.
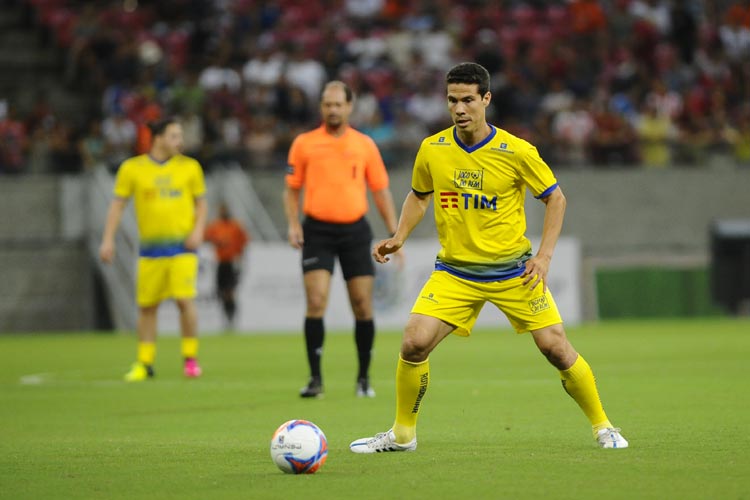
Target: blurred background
x=641, y=107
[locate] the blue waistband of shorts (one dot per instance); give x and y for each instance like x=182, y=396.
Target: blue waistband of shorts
x=164, y=250
x=499, y=275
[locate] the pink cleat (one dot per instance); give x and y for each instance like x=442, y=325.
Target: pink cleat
x=192, y=369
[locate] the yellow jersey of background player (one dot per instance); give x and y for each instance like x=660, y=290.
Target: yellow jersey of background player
x=164, y=196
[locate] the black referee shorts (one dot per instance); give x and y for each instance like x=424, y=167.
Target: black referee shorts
x=324, y=241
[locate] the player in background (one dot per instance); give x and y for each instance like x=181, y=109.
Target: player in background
x=479, y=174
x=335, y=165
x=168, y=192
x=229, y=239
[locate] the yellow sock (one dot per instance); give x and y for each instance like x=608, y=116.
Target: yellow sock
x=146, y=353
x=412, y=380
x=578, y=381
x=189, y=347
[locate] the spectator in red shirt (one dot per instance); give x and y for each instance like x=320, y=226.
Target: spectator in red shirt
x=739, y=13
x=587, y=17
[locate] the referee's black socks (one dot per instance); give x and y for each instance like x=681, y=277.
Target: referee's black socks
x=314, y=335
x=364, y=336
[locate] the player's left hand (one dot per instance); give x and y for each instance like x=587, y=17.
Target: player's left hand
x=536, y=271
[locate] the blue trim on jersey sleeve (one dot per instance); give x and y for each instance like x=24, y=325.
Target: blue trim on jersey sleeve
x=422, y=193
x=547, y=191
x=471, y=149
x=164, y=250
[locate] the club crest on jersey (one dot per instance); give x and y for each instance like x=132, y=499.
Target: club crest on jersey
x=468, y=179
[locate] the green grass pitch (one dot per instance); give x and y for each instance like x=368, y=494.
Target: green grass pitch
x=495, y=422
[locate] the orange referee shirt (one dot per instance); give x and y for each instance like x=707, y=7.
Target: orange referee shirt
x=335, y=173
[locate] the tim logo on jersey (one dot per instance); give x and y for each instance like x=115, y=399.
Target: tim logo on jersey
x=467, y=201
x=467, y=179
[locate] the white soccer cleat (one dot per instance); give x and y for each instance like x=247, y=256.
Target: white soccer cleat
x=611, y=438
x=382, y=442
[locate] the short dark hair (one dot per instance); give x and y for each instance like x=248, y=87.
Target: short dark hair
x=158, y=127
x=470, y=73
x=338, y=83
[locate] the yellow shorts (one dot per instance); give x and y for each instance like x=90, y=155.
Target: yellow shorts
x=458, y=302
x=161, y=278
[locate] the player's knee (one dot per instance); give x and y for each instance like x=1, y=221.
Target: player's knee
x=413, y=347
x=316, y=305
x=362, y=308
x=553, y=354
x=553, y=344
x=184, y=305
x=559, y=353
x=414, y=353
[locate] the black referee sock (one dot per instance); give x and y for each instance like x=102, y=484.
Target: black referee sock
x=314, y=334
x=364, y=336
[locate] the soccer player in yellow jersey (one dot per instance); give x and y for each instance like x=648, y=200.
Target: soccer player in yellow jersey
x=168, y=192
x=478, y=175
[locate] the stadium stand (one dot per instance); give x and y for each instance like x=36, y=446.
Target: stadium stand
x=237, y=68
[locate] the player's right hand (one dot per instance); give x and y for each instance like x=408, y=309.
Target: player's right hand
x=383, y=248
x=107, y=252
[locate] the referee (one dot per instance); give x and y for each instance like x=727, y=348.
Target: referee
x=335, y=165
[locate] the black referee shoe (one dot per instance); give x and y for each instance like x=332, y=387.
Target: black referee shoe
x=314, y=389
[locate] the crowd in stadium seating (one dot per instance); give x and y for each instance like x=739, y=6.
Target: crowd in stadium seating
x=606, y=83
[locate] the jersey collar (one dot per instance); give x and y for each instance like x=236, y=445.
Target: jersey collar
x=471, y=149
x=160, y=163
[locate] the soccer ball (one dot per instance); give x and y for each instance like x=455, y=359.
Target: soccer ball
x=299, y=447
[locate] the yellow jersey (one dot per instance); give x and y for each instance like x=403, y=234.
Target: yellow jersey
x=164, y=196
x=478, y=200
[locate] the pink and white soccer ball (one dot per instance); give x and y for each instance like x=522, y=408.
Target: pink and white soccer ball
x=299, y=447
